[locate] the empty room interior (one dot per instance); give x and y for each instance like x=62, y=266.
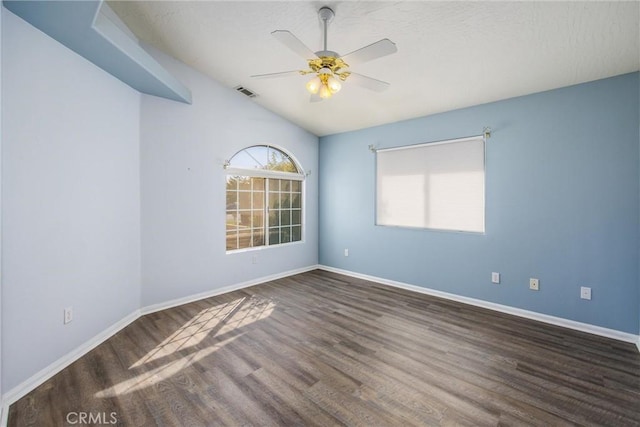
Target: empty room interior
x=360, y=213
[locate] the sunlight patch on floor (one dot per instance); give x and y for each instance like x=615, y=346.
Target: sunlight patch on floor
x=192, y=332
x=161, y=373
x=215, y=321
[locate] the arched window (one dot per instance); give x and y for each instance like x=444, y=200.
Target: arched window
x=264, y=198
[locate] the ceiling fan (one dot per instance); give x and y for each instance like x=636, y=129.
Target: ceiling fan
x=329, y=67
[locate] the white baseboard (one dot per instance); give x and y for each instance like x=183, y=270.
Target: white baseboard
x=558, y=321
x=196, y=297
x=44, y=374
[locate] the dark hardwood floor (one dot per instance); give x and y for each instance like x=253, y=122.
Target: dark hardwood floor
x=324, y=349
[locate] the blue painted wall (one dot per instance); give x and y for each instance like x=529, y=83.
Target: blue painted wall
x=562, y=205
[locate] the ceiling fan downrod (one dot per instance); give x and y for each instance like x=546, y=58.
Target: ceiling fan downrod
x=326, y=15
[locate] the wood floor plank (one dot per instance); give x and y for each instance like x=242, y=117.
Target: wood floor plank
x=323, y=349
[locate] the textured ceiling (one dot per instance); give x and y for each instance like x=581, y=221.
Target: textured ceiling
x=450, y=54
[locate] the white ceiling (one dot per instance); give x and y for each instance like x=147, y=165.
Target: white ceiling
x=450, y=54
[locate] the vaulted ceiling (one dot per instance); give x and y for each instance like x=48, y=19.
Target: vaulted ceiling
x=450, y=54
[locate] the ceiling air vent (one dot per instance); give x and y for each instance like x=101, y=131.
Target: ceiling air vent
x=245, y=91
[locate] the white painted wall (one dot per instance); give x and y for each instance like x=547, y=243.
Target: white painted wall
x=183, y=148
x=86, y=161
x=70, y=200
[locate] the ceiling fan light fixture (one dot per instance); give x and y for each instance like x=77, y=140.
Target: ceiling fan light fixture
x=325, y=92
x=313, y=85
x=334, y=85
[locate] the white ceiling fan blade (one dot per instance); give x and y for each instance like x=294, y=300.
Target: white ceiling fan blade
x=275, y=75
x=293, y=43
x=373, y=51
x=368, y=82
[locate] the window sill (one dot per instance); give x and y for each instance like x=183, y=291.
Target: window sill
x=263, y=248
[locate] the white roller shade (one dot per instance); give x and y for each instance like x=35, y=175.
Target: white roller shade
x=438, y=185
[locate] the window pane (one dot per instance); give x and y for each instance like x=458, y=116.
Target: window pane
x=295, y=203
x=232, y=241
x=232, y=182
x=263, y=157
x=244, y=199
x=285, y=217
x=250, y=158
x=285, y=200
x=245, y=219
x=274, y=200
x=258, y=218
x=232, y=200
x=244, y=183
x=258, y=237
x=232, y=220
x=258, y=200
x=296, y=217
x=244, y=238
x=296, y=186
x=279, y=161
x=285, y=234
x=258, y=183
x=274, y=236
x=274, y=218
x=285, y=185
x=274, y=185
x=296, y=233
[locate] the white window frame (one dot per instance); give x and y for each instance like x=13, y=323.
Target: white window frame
x=267, y=175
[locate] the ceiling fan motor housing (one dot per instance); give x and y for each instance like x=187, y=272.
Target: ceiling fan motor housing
x=327, y=53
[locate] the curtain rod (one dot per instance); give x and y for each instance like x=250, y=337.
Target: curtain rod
x=486, y=133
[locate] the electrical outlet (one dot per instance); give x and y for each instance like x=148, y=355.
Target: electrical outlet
x=68, y=315
x=495, y=277
x=534, y=284
x=346, y=252
x=254, y=259
x=585, y=292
